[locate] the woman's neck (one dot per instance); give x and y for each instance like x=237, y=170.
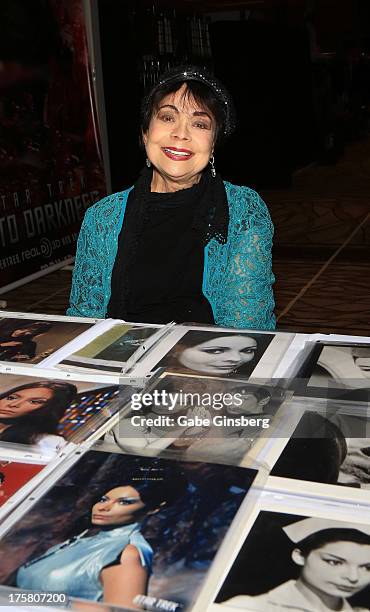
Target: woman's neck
x=163, y=184
x=330, y=601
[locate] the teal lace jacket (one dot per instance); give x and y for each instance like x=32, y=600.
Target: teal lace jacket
x=237, y=276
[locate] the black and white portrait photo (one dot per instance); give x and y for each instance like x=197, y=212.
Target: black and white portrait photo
x=217, y=353
x=336, y=370
x=300, y=564
x=203, y=424
x=330, y=448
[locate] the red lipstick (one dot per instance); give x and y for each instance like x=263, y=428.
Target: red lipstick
x=177, y=154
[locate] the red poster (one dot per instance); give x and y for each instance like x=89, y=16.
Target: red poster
x=50, y=162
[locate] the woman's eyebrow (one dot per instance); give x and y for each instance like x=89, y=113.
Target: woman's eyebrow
x=169, y=106
x=195, y=113
x=335, y=556
x=202, y=114
x=217, y=346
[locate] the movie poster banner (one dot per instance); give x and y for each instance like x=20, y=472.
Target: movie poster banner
x=51, y=166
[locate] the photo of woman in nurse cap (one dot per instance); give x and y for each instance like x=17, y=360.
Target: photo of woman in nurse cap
x=334, y=562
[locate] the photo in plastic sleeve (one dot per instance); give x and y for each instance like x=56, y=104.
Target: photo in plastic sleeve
x=330, y=446
x=338, y=371
x=217, y=353
x=300, y=563
x=30, y=341
x=203, y=419
x=47, y=413
x=14, y=475
x=111, y=350
x=126, y=530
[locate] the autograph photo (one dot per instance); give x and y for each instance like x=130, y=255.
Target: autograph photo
x=111, y=350
x=30, y=340
x=217, y=353
x=331, y=448
x=123, y=529
x=46, y=414
x=297, y=563
x=199, y=419
x=338, y=371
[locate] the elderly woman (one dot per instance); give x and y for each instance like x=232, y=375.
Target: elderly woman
x=181, y=244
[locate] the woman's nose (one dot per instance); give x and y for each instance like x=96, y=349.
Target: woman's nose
x=352, y=575
x=232, y=357
x=180, y=130
x=104, y=505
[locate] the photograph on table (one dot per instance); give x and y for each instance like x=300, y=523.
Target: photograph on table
x=125, y=530
x=330, y=445
x=220, y=353
x=30, y=341
x=46, y=413
x=301, y=564
x=14, y=475
x=337, y=371
x=110, y=351
x=193, y=418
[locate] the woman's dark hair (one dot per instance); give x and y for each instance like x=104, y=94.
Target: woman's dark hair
x=27, y=429
x=160, y=491
x=203, y=88
x=327, y=536
x=195, y=337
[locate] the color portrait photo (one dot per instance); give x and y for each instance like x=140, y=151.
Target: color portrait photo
x=125, y=530
x=47, y=413
x=30, y=341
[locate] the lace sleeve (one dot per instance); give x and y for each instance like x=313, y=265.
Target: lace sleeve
x=249, y=301
x=87, y=292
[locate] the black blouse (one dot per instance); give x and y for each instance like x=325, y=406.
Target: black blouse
x=158, y=272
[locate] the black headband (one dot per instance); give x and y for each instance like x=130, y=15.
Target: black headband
x=181, y=74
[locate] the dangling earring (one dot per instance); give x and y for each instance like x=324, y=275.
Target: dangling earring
x=148, y=162
x=212, y=164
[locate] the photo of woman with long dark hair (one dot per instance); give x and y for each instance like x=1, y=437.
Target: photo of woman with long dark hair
x=30, y=413
x=124, y=530
x=331, y=560
x=216, y=353
x=110, y=560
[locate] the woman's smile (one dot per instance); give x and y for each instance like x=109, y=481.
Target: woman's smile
x=177, y=154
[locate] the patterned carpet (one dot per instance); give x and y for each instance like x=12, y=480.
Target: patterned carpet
x=321, y=253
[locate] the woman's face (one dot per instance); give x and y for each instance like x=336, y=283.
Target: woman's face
x=221, y=355
x=179, y=141
x=24, y=401
x=119, y=506
x=338, y=569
